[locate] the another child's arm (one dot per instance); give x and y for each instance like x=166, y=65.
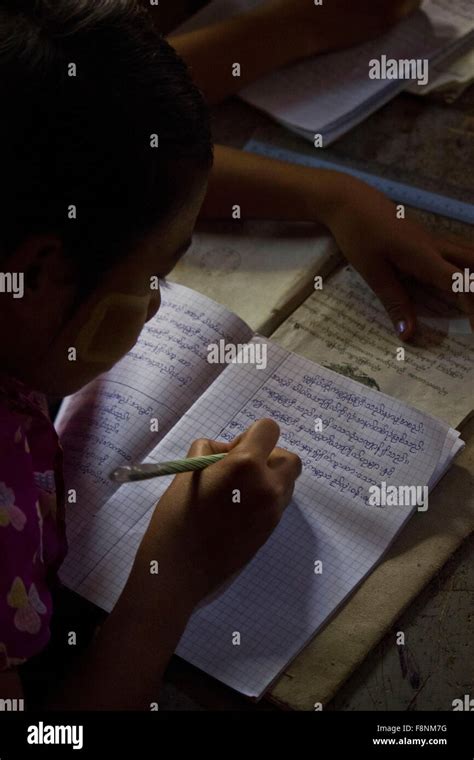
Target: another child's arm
x=199, y=539
x=363, y=221
x=277, y=33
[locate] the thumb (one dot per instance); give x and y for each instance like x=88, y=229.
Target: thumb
x=385, y=283
x=204, y=446
x=260, y=438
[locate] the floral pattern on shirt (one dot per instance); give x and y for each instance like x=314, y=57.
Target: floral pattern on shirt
x=32, y=530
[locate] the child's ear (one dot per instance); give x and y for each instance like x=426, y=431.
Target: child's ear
x=40, y=259
x=46, y=277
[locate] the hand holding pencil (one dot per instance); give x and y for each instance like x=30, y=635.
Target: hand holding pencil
x=221, y=517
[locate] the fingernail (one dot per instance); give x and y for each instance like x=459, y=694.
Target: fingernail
x=401, y=327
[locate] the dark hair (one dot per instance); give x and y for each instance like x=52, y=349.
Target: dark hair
x=86, y=140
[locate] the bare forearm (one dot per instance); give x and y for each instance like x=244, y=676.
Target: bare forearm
x=123, y=668
x=269, y=189
x=274, y=34
x=253, y=40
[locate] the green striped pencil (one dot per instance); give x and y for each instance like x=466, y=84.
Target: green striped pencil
x=133, y=473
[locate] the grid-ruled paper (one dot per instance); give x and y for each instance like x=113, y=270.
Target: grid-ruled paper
x=108, y=423
x=278, y=602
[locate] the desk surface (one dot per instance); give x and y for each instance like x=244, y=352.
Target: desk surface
x=438, y=625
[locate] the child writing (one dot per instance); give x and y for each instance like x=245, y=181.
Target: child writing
x=89, y=213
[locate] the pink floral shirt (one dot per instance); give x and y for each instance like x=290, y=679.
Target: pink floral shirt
x=32, y=529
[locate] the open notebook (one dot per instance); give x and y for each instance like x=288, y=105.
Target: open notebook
x=278, y=602
x=331, y=93
x=345, y=327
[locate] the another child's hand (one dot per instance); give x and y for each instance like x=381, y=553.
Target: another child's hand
x=382, y=247
x=336, y=23
x=218, y=518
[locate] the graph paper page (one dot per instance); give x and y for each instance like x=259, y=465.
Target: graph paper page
x=108, y=423
x=278, y=602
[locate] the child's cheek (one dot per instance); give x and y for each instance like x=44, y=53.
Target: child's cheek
x=113, y=328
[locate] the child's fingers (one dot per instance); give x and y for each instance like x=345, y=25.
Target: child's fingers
x=286, y=462
x=460, y=256
x=385, y=283
x=437, y=267
x=428, y=266
x=438, y=270
x=205, y=446
x=260, y=439
x=461, y=244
